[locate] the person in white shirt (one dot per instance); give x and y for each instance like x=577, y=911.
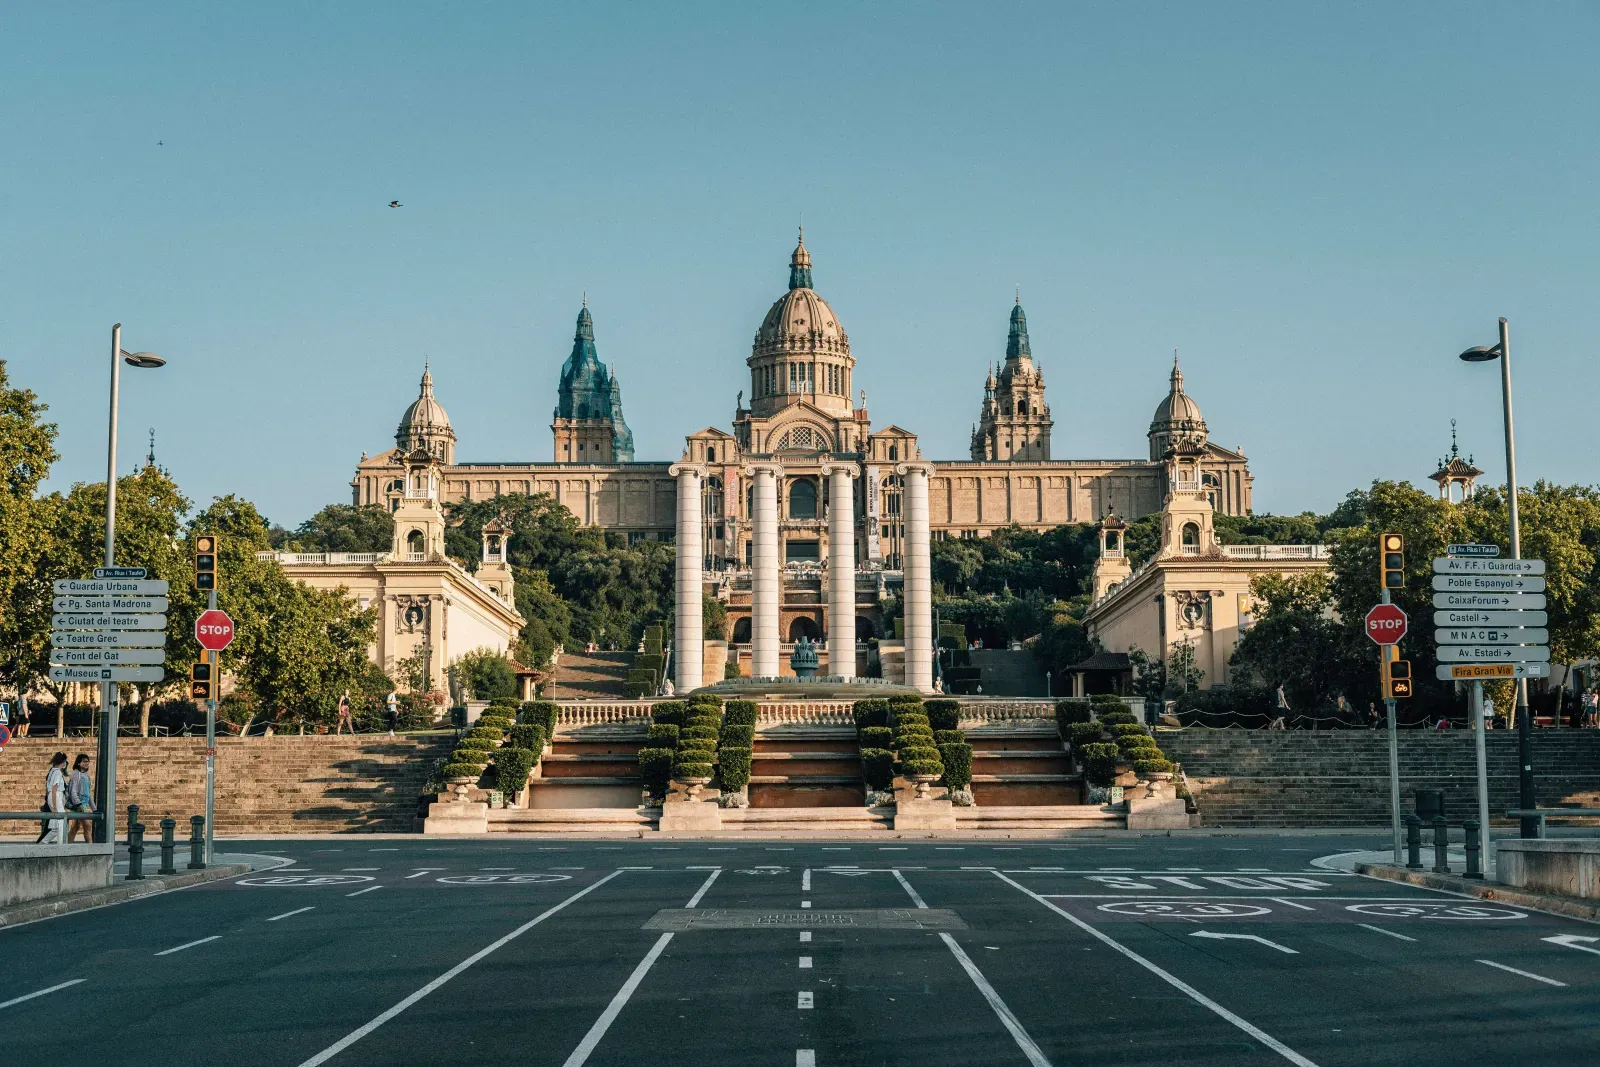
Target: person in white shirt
x=54, y=831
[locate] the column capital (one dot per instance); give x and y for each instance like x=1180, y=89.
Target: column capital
x=696, y=469
x=839, y=466
x=917, y=466
x=772, y=467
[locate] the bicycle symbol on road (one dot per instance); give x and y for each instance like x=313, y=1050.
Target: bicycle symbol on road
x=1429, y=910
x=1185, y=909
x=306, y=879
x=502, y=879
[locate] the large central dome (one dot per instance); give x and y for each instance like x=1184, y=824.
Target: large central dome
x=801, y=319
x=801, y=352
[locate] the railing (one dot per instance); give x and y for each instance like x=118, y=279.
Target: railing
x=1277, y=552
x=324, y=558
x=1006, y=711
x=810, y=712
x=416, y=557
x=1541, y=814
x=1113, y=553
x=1188, y=550
x=600, y=713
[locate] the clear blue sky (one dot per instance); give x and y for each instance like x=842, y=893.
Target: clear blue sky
x=1308, y=200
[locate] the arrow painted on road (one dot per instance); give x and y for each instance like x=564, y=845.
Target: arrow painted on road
x=1245, y=937
x=1571, y=941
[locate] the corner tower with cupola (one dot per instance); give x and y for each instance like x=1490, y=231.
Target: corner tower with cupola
x=1015, y=422
x=587, y=425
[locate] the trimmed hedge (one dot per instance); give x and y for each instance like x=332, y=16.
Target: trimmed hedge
x=957, y=760
x=543, y=713
x=906, y=698
x=871, y=713
x=655, y=765
x=1136, y=742
x=690, y=733
x=504, y=702
x=944, y=714
x=1083, y=733
x=739, y=712
x=511, y=769
x=528, y=736
x=877, y=767
x=1099, y=763
x=1127, y=729
x=733, y=767
x=914, y=753
x=924, y=766
x=700, y=747
x=681, y=770
x=737, y=735
x=662, y=735
x=454, y=769
x=1107, y=698
x=876, y=737
x=669, y=711
x=707, y=698
x=1145, y=767
x=905, y=714
x=1116, y=716
x=1071, y=710
x=949, y=737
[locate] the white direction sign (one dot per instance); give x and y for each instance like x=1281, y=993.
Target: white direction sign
x=1491, y=618
x=107, y=621
x=1484, y=672
x=73, y=656
x=1493, y=635
x=111, y=587
x=111, y=603
x=1501, y=601
x=107, y=674
x=1472, y=549
x=1452, y=565
x=1494, y=654
x=108, y=638
x=1487, y=583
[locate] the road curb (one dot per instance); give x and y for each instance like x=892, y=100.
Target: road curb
x=116, y=893
x=1571, y=907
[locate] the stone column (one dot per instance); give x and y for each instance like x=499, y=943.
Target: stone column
x=841, y=568
x=688, y=628
x=764, y=567
x=918, y=576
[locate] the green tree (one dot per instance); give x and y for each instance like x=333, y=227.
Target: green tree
x=346, y=528
x=27, y=449
x=485, y=674
x=1297, y=642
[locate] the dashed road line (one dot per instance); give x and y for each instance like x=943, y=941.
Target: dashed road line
x=805, y=903
x=805, y=1057
x=805, y=963
x=426, y=870
x=695, y=900
x=1292, y=904
x=369, y=889
x=1525, y=974
x=1381, y=930
x=805, y=935
x=805, y=999
x=191, y=944
x=805, y=881
x=362, y=869
x=41, y=992
x=297, y=911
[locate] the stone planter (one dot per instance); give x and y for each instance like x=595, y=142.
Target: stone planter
x=1151, y=781
x=460, y=786
x=923, y=782
x=695, y=785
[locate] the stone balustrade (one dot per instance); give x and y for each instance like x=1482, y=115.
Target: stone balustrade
x=578, y=713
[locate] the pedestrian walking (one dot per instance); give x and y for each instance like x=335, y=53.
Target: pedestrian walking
x=345, y=718
x=1283, y=701
x=393, y=702
x=22, y=716
x=80, y=797
x=1372, y=715
x=1488, y=712
x=54, y=831
x=1591, y=708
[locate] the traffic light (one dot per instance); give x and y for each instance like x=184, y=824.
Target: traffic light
x=1392, y=561
x=200, y=682
x=205, y=563
x=1399, y=680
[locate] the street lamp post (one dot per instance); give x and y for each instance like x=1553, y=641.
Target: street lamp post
x=1526, y=799
x=106, y=767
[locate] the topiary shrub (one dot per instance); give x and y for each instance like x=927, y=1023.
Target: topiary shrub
x=457, y=769
x=477, y=740
x=510, y=703
x=655, y=766
x=662, y=735
x=877, y=767
x=545, y=713
x=633, y=690
x=1083, y=733
x=1126, y=729
x=737, y=736
x=904, y=714
x=1071, y=710
x=733, y=767
x=876, y=737
x=731, y=670
x=511, y=768
x=668, y=711
x=690, y=733
x=943, y=714
x=739, y=712
x=1099, y=763
x=709, y=699
x=873, y=712
x=1115, y=717
x=957, y=760
x=1146, y=767
x=1136, y=742
x=528, y=736
x=949, y=737
x=923, y=766
x=499, y=718
x=682, y=770
x=915, y=753
x=905, y=698
x=1108, y=699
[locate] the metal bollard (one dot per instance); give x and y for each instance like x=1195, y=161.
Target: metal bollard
x=1441, y=845
x=1413, y=843
x=133, y=814
x=135, y=851
x=197, y=842
x=168, y=825
x=1474, y=850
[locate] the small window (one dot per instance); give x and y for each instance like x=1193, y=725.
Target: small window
x=711, y=454
x=1191, y=535
x=803, y=499
x=894, y=453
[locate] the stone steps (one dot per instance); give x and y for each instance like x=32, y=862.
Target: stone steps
x=1033, y=817
x=631, y=821
x=589, y=676
x=789, y=820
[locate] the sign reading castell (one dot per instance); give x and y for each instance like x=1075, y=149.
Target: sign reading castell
x=1490, y=619
x=109, y=628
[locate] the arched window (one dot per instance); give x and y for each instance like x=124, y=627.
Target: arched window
x=803, y=499
x=712, y=498
x=711, y=453
x=894, y=453
x=416, y=544
x=1191, y=536
x=1022, y=407
x=741, y=630
x=804, y=626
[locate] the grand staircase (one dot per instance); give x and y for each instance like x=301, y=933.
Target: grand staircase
x=818, y=769
x=587, y=783
x=589, y=676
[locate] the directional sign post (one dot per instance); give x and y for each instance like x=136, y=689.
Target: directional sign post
x=214, y=630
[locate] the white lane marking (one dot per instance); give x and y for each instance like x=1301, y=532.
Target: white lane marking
x=722, y=848
x=496, y=868
x=40, y=992
x=805, y=935
x=805, y=903
x=369, y=889
x=949, y=848
x=426, y=870
x=1573, y=941
x=805, y=1000
x=383, y=850
x=296, y=911
x=785, y=848
x=1292, y=904
x=191, y=944
x=805, y=881
x=713, y=867
x=695, y=900
x=1171, y=979
x=837, y=848
x=1525, y=974
x=363, y=869
x=591, y=1040
x=977, y=868
x=1246, y=937
x=805, y=963
x=1030, y=1049
x=892, y=848
x=667, y=848
x=1381, y=930
x=362, y=1031
x=292, y=870
x=805, y=1057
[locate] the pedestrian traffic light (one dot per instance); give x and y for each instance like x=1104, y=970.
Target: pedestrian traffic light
x=1399, y=680
x=205, y=563
x=1392, y=560
x=200, y=682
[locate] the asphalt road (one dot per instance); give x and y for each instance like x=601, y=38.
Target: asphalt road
x=1213, y=952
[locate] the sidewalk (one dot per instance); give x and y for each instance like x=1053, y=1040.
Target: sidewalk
x=227, y=865
x=1381, y=865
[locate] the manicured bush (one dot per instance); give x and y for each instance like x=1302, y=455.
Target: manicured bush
x=662, y=735
x=876, y=737
x=1144, y=767
x=903, y=741
x=647, y=662
x=913, y=753
x=957, y=760
x=498, y=723
x=733, y=767
x=504, y=702
x=736, y=736
x=906, y=714
x=944, y=714
x=669, y=711
x=528, y=736
x=1135, y=742
x=1126, y=729
x=545, y=713
x=871, y=713
x=1113, y=716
x=1083, y=733
x=639, y=684
x=702, y=722
x=739, y=712
x=1071, y=710
x=710, y=699
x=1099, y=763
x=511, y=767
x=1109, y=699
x=877, y=767
x=681, y=770
x=949, y=737
x=924, y=766
x=905, y=698
x=456, y=769
x=655, y=766
x=691, y=732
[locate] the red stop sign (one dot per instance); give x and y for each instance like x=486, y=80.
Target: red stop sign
x=214, y=630
x=1386, y=624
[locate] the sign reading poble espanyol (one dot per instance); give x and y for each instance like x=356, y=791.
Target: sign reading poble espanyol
x=1491, y=620
x=109, y=628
